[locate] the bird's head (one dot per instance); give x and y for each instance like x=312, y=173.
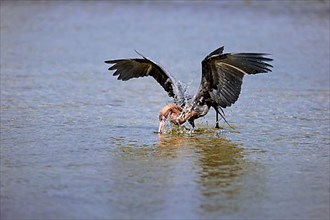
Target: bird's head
x=172, y=111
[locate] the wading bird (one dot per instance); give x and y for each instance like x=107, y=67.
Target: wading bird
x=220, y=86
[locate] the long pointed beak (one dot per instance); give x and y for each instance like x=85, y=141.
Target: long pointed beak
x=161, y=126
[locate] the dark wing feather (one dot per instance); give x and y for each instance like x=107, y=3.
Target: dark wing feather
x=127, y=69
x=222, y=76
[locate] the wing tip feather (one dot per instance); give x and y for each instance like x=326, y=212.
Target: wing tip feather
x=110, y=61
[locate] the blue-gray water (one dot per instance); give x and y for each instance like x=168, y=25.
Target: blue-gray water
x=76, y=143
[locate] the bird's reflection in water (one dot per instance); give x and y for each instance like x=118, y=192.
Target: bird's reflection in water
x=221, y=163
x=221, y=167
x=202, y=174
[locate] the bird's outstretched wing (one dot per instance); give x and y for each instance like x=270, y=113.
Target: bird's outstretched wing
x=127, y=69
x=222, y=76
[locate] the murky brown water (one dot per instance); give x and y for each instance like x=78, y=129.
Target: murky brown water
x=76, y=143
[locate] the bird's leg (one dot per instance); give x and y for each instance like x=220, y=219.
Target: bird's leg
x=192, y=122
x=216, y=120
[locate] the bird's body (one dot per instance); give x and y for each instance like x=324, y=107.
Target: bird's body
x=222, y=76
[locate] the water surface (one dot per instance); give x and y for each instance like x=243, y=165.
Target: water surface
x=76, y=143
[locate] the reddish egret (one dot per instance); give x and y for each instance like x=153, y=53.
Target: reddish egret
x=220, y=86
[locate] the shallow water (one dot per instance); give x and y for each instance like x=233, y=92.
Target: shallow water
x=76, y=143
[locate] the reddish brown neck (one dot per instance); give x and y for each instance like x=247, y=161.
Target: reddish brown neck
x=172, y=111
